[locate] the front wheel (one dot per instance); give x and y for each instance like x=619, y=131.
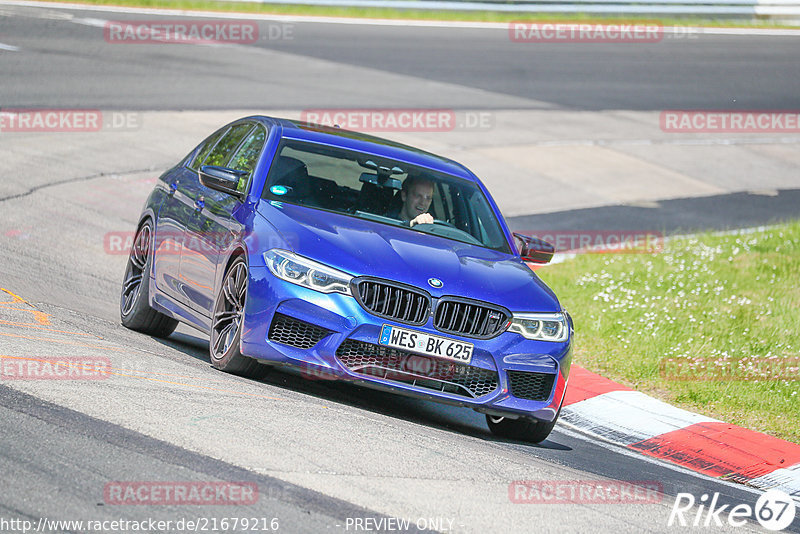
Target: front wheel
x=134, y=303
x=521, y=429
x=226, y=329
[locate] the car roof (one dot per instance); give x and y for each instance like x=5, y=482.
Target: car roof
x=361, y=142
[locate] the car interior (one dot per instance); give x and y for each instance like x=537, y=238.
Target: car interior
x=373, y=191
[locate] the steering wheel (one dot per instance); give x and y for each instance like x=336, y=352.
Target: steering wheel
x=435, y=223
x=444, y=223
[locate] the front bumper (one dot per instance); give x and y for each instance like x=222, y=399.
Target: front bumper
x=332, y=336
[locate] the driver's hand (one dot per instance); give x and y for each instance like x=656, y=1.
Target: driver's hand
x=422, y=218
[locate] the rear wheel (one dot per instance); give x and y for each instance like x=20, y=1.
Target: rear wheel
x=134, y=304
x=521, y=429
x=226, y=329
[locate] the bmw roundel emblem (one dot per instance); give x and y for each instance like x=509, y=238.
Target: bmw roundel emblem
x=435, y=282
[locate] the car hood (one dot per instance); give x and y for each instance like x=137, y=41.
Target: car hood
x=366, y=248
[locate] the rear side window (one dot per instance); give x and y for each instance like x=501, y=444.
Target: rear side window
x=223, y=150
x=246, y=157
x=207, y=147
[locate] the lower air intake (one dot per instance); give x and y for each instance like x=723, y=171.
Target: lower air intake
x=419, y=371
x=531, y=386
x=295, y=333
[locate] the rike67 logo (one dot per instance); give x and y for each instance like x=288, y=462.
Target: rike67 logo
x=774, y=510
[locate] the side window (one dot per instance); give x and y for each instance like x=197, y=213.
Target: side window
x=207, y=147
x=246, y=157
x=222, y=151
x=481, y=221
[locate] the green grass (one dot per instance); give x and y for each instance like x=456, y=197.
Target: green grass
x=426, y=14
x=710, y=324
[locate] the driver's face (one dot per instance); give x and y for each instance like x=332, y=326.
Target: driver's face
x=418, y=199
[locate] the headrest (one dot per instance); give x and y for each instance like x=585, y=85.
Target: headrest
x=286, y=167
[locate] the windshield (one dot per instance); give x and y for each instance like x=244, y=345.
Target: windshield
x=384, y=191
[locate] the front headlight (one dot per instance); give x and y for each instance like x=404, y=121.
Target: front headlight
x=307, y=273
x=541, y=326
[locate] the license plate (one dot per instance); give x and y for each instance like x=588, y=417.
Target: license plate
x=422, y=343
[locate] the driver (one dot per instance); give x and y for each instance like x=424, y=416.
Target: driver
x=416, y=194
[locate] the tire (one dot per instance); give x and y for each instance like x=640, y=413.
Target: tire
x=134, y=303
x=226, y=327
x=521, y=429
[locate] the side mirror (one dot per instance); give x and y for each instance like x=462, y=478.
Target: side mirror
x=222, y=179
x=535, y=250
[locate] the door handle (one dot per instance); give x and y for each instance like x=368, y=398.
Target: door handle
x=172, y=188
x=199, y=204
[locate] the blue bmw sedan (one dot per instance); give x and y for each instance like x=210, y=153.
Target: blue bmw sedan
x=351, y=257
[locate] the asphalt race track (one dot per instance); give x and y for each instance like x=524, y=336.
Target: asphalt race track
x=572, y=129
